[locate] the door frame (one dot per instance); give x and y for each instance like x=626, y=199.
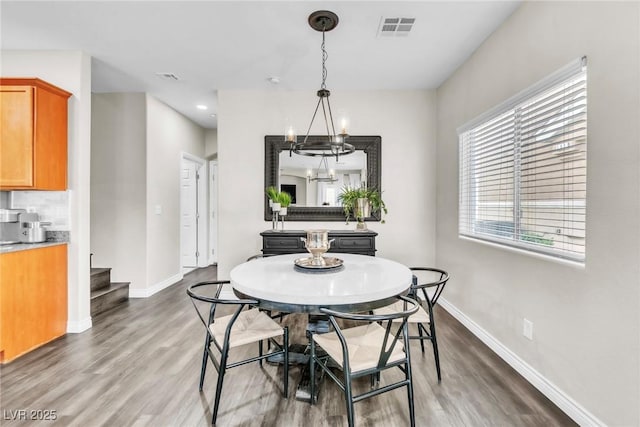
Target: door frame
x=202, y=209
x=213, y=212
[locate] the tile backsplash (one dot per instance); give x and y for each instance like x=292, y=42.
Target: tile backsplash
x=4, y=200
x=52, y=206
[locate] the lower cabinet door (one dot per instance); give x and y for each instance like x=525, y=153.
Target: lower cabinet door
x=33, y=299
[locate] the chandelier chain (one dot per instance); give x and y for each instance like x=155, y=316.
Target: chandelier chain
x=333, y=144
x=324, y=60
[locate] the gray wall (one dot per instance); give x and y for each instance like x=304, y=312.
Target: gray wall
x=118, y=185
x=586, y=321
x=211, y=143
x=404, y=120
x=169, y=134
x=135, y=167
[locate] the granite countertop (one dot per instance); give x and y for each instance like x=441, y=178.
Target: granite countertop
x=53, y=238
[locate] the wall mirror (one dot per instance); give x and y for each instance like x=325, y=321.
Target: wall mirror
x=315, y=182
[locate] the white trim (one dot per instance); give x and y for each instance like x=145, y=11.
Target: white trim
x=581, y=265
x=191, y=157
x=213, y=213
x=75, y=327
x=147, y=292
x=203, y=206
x=569, y=406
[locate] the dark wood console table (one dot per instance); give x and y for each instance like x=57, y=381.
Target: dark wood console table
x=346, y=241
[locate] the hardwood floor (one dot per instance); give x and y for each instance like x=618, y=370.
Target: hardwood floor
x=139, y=366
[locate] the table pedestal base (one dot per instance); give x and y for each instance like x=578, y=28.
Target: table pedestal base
x=299, y=355
x=303, y=392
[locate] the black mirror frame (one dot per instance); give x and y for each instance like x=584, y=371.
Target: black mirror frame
x=274, y=144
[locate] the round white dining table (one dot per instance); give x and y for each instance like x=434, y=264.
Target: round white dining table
x=363, y=283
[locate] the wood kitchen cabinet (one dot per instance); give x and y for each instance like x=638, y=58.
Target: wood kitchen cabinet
x=33, y=135
x=33, y=299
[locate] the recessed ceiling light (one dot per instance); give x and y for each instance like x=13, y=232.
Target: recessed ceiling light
x=273, y=80
x=201, y=107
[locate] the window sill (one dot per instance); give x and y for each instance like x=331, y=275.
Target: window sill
x=575, y=264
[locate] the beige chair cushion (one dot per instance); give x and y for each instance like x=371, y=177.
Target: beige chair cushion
x=421, y=316
x=364, y=344
x=251, y=326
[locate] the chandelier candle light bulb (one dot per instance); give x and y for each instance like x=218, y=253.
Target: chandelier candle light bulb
x=291, y=135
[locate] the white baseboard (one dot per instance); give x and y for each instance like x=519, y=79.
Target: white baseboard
x=147, y=292
x=569, y=406
x=75, y=327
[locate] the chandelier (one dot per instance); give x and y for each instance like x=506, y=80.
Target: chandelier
x=335, y=144
x=324, y=174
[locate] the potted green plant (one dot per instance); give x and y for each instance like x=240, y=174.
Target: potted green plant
x=361, y=202
x=284, y=199
x=272, y=195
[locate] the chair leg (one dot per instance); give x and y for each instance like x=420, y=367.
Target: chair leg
x=312, y=370
x=205, y=356
x=409, y=377
x=412, y=413
x=421, y=336
x=260, y=351
x=348, y=397
x=436, y=355
x=223, y=368
x=285, y=347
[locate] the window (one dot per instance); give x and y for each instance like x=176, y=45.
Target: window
x=523, y=168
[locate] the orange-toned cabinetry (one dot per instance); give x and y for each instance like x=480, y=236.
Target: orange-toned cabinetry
x=33, y=299
x=33, y=135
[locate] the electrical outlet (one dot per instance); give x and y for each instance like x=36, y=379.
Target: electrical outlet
x=527, y=329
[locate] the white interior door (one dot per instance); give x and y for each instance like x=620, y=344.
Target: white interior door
x=189, y=213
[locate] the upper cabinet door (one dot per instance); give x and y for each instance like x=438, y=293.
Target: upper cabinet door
x=33, y=135
x=16, y=136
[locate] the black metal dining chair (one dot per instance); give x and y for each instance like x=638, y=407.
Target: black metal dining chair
x=428, y=284
x=245, y=325
x=365, y=350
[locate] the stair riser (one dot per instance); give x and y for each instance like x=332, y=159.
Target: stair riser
x=109, y=300
x=100, y=280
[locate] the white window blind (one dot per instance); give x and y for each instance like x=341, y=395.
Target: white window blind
x=523, y=168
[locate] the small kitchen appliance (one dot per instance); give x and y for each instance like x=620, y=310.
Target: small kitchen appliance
x=32, y=230
x=10, y=226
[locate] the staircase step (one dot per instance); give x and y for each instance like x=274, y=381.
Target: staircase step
x=106, y=298
x=100, y=278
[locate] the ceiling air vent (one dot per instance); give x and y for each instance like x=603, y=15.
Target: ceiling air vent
x=395, y=27
x=168, y=76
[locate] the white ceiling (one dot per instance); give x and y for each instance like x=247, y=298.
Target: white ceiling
x=214, y=45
